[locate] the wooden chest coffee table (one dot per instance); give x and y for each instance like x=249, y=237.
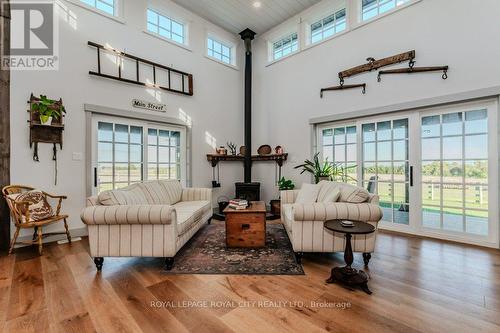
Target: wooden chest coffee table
x=246, y=227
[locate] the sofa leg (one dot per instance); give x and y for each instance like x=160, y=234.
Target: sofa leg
x=98, y=263
x=209, y=221
x=366, y=258
x=169, y=263
x=298, y=256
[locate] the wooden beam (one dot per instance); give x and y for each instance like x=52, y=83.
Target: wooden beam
x=376, y=64
x=5, y=126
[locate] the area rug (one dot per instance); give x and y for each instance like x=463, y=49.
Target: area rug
x=206, y=253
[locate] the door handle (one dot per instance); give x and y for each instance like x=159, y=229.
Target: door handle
x=411, y=175
x=95, y=177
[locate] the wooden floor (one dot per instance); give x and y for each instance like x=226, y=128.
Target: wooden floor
x=418, y=285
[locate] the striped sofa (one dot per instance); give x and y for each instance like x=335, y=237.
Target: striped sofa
x=151, y=219
x=304, y=221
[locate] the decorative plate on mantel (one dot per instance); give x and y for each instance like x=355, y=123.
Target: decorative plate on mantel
x=264, y=150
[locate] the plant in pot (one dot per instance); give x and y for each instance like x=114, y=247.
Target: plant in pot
x=48, y=109
x=325, y=170
x=283, y=185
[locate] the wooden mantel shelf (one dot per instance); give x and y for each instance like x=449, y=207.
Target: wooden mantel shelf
x=278, y=158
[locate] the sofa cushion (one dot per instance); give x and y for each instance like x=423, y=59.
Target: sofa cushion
x=130, y=195
x=329, y=191
x=162, y=192
x=189, y=213
x=308, y=193
x=353, y=194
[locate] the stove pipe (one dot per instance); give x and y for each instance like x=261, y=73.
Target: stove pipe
x=248, y=35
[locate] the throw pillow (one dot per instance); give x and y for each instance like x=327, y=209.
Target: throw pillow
x=308, y=193
x=39, y=208
x=329, y=191
x=353, y=194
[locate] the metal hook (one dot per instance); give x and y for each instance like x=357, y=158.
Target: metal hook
x=379, y=77
x=445, y=75
x=341, y=81
x=411, y=63
x=364, y=90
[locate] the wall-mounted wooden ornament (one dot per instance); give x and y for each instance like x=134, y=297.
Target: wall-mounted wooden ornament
x=174, y=80
x=46, y=133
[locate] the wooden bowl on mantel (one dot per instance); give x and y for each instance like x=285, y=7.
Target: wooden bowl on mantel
x=264, y=150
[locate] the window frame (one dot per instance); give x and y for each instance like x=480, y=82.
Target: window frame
x=223, y=42
x=145, y=125
x=180, y=21
x=282, y=37
x=118, y=10
x=320, y=19
x=359, y=10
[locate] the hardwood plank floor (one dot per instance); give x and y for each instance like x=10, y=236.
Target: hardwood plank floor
x=419, y=285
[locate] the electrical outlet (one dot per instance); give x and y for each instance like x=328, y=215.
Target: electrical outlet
x=77, y=156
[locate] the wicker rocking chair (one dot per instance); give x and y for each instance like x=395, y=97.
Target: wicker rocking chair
x=21, y=215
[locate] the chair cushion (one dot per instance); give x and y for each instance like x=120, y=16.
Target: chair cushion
x=39, y=208
x=130, y=195
x=308, y=193
x=329, y=191
x=189, y=213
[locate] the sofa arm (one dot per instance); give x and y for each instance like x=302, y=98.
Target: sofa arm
x=320, y=211
x=289, y=196
x=196, y=194
x=133, y=214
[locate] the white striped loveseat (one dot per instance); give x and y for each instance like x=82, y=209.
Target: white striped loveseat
x=304, y=221
x=151, y=219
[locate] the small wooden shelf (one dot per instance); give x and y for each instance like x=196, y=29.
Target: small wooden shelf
x=278, y=158
x=47, y=126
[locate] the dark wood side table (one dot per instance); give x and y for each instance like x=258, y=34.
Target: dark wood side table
x=347, y=274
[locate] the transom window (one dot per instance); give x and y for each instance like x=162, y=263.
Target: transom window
x=328, y=26
x=285, y=46
x=219, y=50
x=373, y=8
x=339, y=146
x=129, y=153
x=106, y=6
x=166, y=27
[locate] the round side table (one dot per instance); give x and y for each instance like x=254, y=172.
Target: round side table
x=347, y=274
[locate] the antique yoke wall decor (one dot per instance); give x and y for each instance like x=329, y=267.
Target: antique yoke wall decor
x=135, y=70
x=373, y=64
x=46, y=125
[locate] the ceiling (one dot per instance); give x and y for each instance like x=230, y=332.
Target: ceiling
x=236, y=15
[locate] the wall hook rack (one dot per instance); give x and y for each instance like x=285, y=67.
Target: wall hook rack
x=411, y=70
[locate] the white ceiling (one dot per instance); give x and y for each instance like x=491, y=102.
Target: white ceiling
x=236, y=15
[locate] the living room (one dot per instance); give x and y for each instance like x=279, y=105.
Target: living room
x=244, y=165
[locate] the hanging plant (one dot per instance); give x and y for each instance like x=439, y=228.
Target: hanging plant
x=48, y=109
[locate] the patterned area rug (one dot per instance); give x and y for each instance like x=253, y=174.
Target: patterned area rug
x=206, y=253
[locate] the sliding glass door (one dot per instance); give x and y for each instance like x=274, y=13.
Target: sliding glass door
x=435, y=170
x=127, y=151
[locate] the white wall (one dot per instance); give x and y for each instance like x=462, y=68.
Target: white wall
x=457, y=33
x=216, y=106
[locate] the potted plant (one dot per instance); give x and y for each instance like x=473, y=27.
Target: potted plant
x=325, y=170
x=283, y=185
x=48, y=109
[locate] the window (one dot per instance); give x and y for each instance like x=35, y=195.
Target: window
x=373, y=8
x=166, y=27
x=455, y=171
x=106, y=6
x=328, y=26
x=339, y=146
x=285, y=46
x=219, y=51
x=129, y=153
